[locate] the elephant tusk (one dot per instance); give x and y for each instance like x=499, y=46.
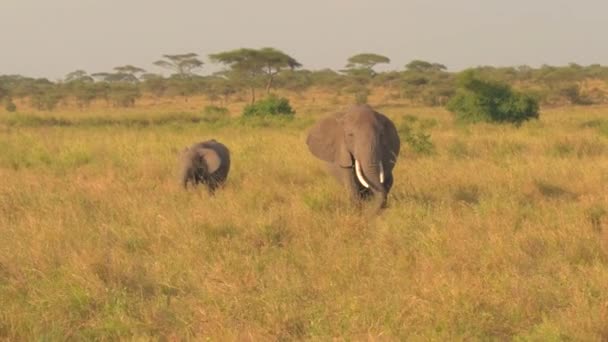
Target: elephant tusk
x=381, y=173
x=359, y=175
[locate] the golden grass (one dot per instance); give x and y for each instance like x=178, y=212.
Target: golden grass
x=501, y=234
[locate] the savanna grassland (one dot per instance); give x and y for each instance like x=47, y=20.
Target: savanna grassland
x=493, y=232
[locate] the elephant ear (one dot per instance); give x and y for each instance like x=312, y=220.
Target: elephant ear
x=212, y=159
x=326, y=141
x=390, y=140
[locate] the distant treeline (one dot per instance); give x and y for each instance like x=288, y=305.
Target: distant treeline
x=250, y=71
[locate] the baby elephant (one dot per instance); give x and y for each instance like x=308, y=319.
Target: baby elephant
x=207, y=162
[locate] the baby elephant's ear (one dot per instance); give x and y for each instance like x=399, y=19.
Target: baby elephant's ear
x=324, y=139
x=212, y=159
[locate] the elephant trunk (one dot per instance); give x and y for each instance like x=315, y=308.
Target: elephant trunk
x=194, y=167
x=372, y=171
x=373, y=174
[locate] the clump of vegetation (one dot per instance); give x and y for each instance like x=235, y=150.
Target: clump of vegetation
x=360, y=93
x=580, y=148
x=270, y=106
x=553, y=191
x=10, y=106
x=124, y=95
x=595, y=214
x=480, y=100
x=215, y=113
x=362, y=96
x=573, y=94
x=413, y=132
x=467, y=194
x=459, y=149
x=46, y=99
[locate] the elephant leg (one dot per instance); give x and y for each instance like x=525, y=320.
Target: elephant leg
x=388, y=182
x=208, y=183
x=199, y=178
x=346, y=176
x=213, y=183
x=356, y=190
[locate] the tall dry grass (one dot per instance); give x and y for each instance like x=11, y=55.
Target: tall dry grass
x=501, y=233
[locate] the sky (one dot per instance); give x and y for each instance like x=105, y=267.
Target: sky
x=50, y=38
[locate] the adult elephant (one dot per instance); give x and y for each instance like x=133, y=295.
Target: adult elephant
x=360, y=147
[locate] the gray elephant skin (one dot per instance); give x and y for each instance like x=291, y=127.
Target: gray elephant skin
x=360, y=147
x=207, y=162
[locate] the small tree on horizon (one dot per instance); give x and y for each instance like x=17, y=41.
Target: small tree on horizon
x=424, y=66
x=360, y=72
x=253, y=67
x=128, y=73
x=78, y=76
x=426, y=83
x=365, y=62
x=183, y=65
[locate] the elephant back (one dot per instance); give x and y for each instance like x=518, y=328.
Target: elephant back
x=217, y=156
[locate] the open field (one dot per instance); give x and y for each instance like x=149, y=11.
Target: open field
x=500, y=233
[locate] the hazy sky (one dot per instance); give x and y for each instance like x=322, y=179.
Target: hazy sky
x=49, y=38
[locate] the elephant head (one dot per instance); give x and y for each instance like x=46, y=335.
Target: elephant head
x=362, y=142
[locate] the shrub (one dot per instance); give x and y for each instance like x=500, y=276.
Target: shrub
x=84, y=94
x=10, y=105
x=414, y=134
x=420, y=143
x=215, y=113
x=459, y=149
x=46, y=99
x=572, y=93
x=271, y=105
x=360, y=93
x=595, y=214
x=480, y=100
x=124, y=95
x=361, y=97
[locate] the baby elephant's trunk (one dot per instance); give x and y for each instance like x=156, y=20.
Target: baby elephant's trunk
x=194, y=167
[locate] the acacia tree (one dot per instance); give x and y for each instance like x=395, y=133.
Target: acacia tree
x=154, y=84
x=360, y=71
x=252, y=66
x=183, y=65
x=424, y=66
x=121, y=86
x=128, y=73
x=5, y=96
x=78, y=76
x=364, y=63
x=3, y=92
x=427, y=82
x=81, y=86
x=276, y=61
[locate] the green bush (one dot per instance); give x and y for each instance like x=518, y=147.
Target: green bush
x=479, y=100
x=574, y=95
x=413, y=132
x=46, y=99
x=10, y=105
x=124, y=95
x=84, y=93
x=271, y=105
x=215, y=113
x=359, y=92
